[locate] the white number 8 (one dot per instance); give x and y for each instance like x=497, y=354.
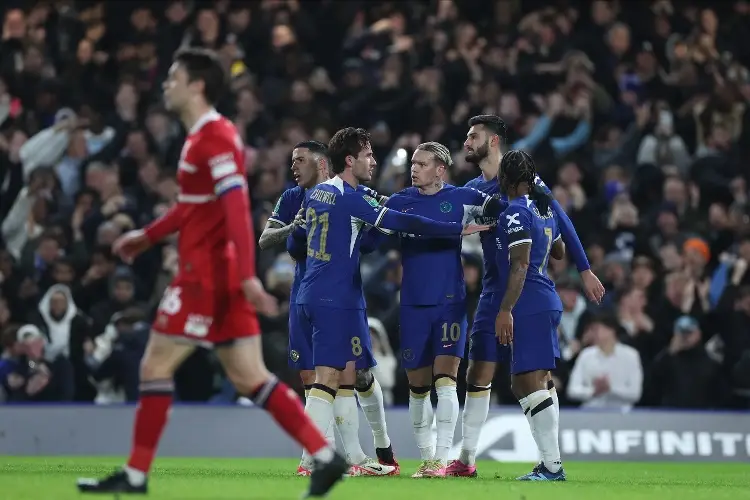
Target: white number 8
x=171, y=302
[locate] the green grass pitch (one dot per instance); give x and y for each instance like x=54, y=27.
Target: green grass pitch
x=53, y=478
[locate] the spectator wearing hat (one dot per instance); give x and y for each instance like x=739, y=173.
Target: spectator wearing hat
x=35, y=378
x=607, y=374
x=683, y=375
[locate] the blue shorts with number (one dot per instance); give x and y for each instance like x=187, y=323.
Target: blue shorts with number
x=483, y=344
x=431, y=331
x=337, y=336
x=300, y=340
x=535, y=344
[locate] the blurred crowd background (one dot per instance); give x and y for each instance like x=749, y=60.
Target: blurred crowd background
x=635, y=112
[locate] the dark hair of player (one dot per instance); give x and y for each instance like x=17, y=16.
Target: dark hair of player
x=348, y=141
x=203, y=64
x=493, y=123
x=516, y=167
x=313, y=147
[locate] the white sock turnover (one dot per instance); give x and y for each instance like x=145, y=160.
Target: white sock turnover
x=371, y=401
x=347, y=421
x=446, y=416
x=540, y=410
x=476, y=409
x=420, y=410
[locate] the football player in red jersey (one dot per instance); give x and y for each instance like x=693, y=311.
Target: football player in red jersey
x=213, y=299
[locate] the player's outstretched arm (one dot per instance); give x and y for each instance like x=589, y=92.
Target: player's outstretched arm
x=371, y=241
x=165, y=225
x=569, y=234
x=276, y=233
x=591, y=284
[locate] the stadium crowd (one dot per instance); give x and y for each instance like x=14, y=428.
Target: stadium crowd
x=636, y=114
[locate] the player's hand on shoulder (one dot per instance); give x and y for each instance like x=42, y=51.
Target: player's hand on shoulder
x=475, y=228
x=299, y=219
x=265, y=303
x=130, y=245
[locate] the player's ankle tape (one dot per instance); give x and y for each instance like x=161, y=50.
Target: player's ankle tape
x=323, y=392
x=155, y=387
x=442, y=380
x=419, y=392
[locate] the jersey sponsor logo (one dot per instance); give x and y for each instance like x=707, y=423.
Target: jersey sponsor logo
x=513, y=219
x=371, y=201
x=294, y=356
x=197, y=325
x=512, y=230
x=446, y=207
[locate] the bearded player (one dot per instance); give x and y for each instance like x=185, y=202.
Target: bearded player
x=483, y=145
x=213, y=300
x=310, y=166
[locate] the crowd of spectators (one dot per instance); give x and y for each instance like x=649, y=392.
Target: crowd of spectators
x=636, y=114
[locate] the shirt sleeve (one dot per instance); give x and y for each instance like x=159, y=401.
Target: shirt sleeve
x=517, y=224
x=282, y=210
x=296, y=244
x=367, y=209
x=570, y=237
x=539, y=182
x=230, y=185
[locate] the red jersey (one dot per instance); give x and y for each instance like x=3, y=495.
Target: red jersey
x=216, y=241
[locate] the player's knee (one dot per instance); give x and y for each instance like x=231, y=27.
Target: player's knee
x=364, y=380
x=307, y=377
x=480, y=374
x=327, y=376
x=152, y=369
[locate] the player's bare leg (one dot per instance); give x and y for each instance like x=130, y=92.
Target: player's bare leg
x=531, y=390
x=161, y=359
x=244, y=366
x=346, y=415
x=306, y=464
x=370, y=396
x=479, y=377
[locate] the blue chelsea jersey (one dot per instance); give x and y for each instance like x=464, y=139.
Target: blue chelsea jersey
x=520, y=224
x=284, y=212
x=492, y=280
x=335, y=215
x=432, y=269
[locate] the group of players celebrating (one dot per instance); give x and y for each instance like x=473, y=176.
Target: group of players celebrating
x=326, y=222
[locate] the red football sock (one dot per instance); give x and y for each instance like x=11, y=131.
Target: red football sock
x=285, y=407
x=150, y=420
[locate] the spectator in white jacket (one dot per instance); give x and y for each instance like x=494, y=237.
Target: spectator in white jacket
x=608, y=374
x=385, y=371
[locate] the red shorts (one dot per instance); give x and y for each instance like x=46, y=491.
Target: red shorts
x=204, y=316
